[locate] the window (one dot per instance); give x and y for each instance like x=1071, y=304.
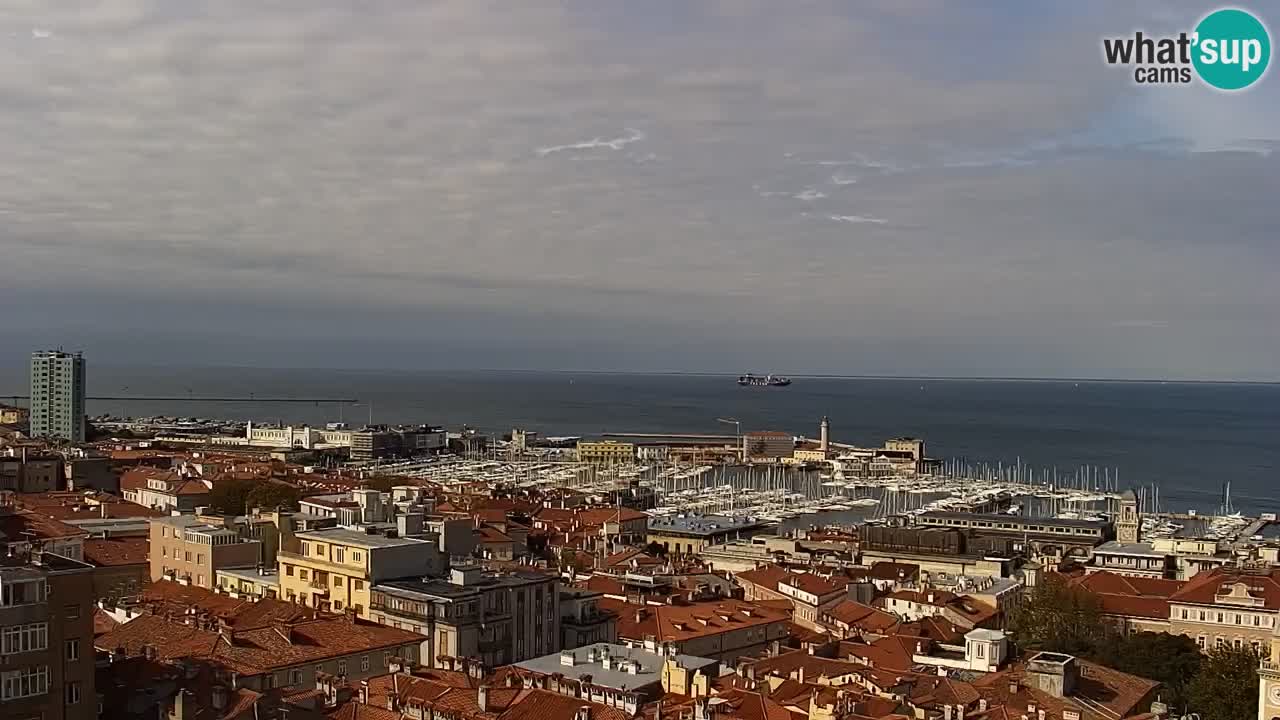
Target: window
x=342, y=667
x=1202, y=616
x=73, y=693
x=337, y=581
x=386, y=658
x=25, y=638
x=72, y=650
x=200, y=558
x=337, y=604
x=200, y=580
x=295, y=676
x=1220, y=619
x=338, y=554
x=359, y=609
x=364, y=663
x=302, y=573
x=1184, y=613
x=1220, y=642
x=1201, y=641
x=288, y=570
x=164, y=551
x=27, y=682
x=319, y=669
x=1237, y=643
x=359, y=584
x=305, y=548
x=355, y=556
x=71, y=612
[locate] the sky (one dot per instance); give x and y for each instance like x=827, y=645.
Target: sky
x=903, y=187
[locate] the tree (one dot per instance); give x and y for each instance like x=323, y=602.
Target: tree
x=229, y=495
x=1226, y=688
x=234, y=496
x=1058, y=617
x=1173, y=660
x=272, y=495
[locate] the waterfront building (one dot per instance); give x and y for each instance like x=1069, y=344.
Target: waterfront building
x=336, y=568
x=495, y=618
x=767, y=445
x=382, y=442
x=688, y=534
x=57, y=395
x=606, y=452
x=46, y=636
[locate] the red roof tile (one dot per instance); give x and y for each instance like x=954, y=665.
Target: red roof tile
x=115, y=551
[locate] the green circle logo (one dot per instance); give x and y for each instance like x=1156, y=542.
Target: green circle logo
x=1232, y=49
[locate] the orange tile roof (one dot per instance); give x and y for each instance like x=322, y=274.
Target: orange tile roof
x=675, y=623
x=1204, y=588
x=22, y=525
x=116, y=551
x=176, y=599
x=258, y=650
x=862, y=617
x=537, y=704
x=1130, y=596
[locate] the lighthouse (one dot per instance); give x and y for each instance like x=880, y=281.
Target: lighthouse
x=824, y=435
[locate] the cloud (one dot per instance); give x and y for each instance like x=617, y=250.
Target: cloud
x=609, y=174
x=858, y=219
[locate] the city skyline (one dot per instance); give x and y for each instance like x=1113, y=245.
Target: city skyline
x=897, y=189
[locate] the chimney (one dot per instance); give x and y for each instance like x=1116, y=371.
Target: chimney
x=364, y=692
x=982, y=704
x=1013, y=687
x=482, y=698
x=946, y=712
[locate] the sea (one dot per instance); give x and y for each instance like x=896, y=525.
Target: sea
x=1189, y=439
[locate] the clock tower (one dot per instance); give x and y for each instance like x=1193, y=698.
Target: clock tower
x=1269, y=679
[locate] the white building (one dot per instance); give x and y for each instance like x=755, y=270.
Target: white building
x=57, y=395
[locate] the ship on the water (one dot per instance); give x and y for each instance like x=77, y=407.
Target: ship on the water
x=750, y=380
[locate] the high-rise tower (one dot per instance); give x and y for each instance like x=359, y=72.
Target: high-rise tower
x=57, y=395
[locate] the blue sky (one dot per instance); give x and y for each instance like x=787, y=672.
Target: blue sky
x=896, y=187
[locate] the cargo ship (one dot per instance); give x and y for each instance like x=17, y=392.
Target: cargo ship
x=750, y=380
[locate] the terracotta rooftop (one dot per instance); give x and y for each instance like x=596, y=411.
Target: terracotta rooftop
x=1130, y=596
x=115, y=551
x=177, y=600
x=23, y=525
x=674, y=623
x=258, y=650
x=1206, y=587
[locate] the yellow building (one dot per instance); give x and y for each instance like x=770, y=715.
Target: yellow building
x=334, y=569
x=606, y=452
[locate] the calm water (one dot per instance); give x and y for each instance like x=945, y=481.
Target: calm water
x=1188, y=438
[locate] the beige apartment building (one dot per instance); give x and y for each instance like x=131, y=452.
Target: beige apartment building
x=496, y=618
x=46, y=638
x=190, y=549
x=335, y=569
x=606, y=452
x=1227, y=607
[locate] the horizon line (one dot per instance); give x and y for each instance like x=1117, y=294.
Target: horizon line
x=705, y=373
